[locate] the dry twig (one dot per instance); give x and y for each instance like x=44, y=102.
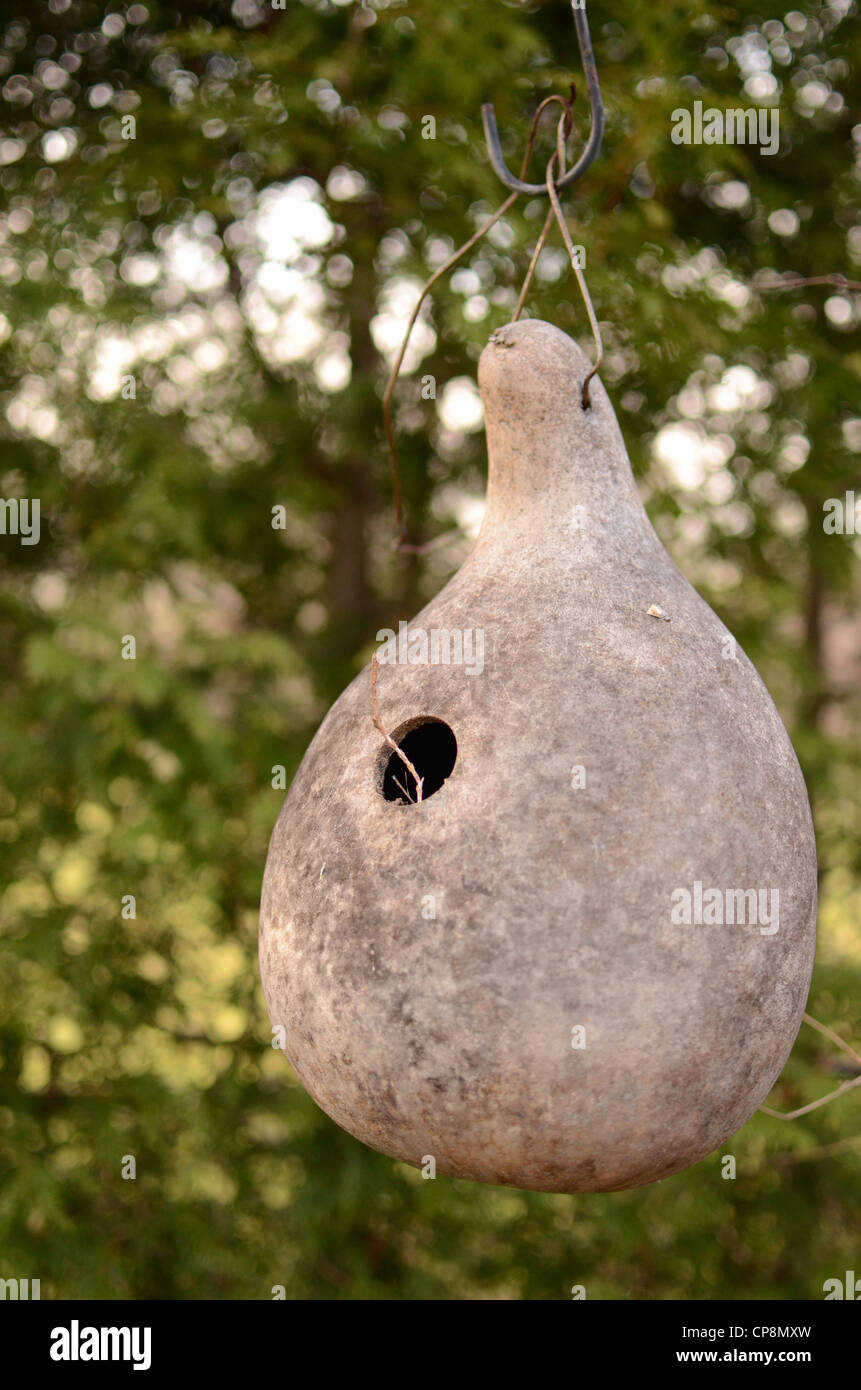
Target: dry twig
x=797, y=282
x=832, y=1095
x=380, y=727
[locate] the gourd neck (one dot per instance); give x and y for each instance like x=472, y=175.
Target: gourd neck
x=550, y=461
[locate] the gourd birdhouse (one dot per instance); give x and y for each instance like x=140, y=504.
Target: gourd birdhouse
x=578, y=960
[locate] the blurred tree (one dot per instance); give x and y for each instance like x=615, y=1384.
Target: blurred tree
x=216, y=220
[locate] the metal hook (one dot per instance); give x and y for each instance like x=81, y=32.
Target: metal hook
x=596, y=106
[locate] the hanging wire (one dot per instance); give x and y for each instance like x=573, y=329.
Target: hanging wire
x=551, y=187
x=548, y=221
x=401, y=542
x=557, y=157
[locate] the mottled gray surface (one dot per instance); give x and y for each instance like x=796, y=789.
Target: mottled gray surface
x=451, y=1037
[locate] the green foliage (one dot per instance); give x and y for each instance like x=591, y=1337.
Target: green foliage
x=153, y=778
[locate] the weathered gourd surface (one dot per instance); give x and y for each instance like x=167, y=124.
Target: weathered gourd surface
x=451, y=1035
